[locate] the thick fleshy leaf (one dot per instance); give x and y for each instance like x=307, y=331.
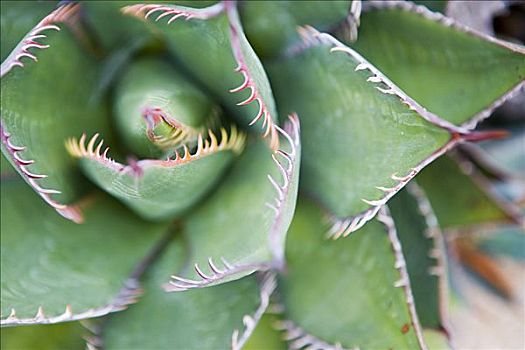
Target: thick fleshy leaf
x=212, y=46
x=196, y=319
x=462, y=76
x=242, y=226
x=44, y=337
x=54, y=270
x=349, y=114
x=350, y=291
x=424, y=251
x=270, y=37
x=45, y=102
x=160, y=189
x=460, y=198
x=158, y=109
x=18, y=17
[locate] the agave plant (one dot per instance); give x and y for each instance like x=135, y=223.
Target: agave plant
x=260, y=185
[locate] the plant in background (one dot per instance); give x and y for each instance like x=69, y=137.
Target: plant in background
x=263, y=155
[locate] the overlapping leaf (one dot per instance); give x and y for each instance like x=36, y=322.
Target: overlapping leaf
x=212, y=46
x=159, y=189
x=54, y=270
x=347, y=292
x=424, y=251
x=242, y=226
x=47, y=101
x=366, y=139
x=270, y=37
x=471, y=204
x=196, y=319
x=18, y=17
x=158, y=109
x=454, y=72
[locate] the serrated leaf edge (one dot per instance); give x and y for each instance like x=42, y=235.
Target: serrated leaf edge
x=126, y=296
x=440, y=18
x=71, y=212
x=143, y=11
x=312, y=37
x=438, y=252
x=452, y=23
x=216, y=274
x=180, y=133
x=400, y=265
x=291, y=133
x=248, y=83
x=342, y=227
x=250, y=321
x=234, y=141
x=64, y=14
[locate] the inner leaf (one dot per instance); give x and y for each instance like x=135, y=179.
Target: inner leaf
x=156, y=108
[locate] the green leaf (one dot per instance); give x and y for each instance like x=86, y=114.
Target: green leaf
x=347, y=292
x=346, y=117
x=424, y=251
x=458, y=197
x=196, y=319
x=160, y=189
x=44, y=337
x=212, y=46
x=18, y=17
x=242, y=226
x=270, y=37
x=45, y=102
x=157, y=108
x=456, y=73
x=112, y=28
x=266, y=336
x=54, y=270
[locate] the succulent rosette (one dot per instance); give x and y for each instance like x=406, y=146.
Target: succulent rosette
x=180, y=173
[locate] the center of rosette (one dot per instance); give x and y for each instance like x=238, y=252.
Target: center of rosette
x=157, y=109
